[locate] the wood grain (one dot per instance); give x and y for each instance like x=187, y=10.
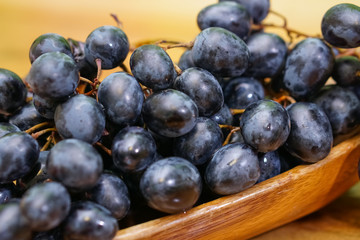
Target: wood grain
x=272, y=203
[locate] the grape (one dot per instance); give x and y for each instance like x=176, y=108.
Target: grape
x=233, y=168
x=186, y=60
x=91, y=221
x=270, y=165
x=107, y=43
x=267, y=55
x=223, y=116
x=6, y=128
x=203, y=88
x=152, y=67
x=87, y=124
x=346, y=71
x=26, y=117
x=12, y=91
x=258, y=9
x=311, y=136
x=18, y=155
x=342, y=107
x=240, y=92
x=45, y=205
x=53, y=75
x=46, y=106
x=265, y=125
x=171, y=185
x=112, y=193
x=200, y=143
x=221, y=52
x=133, y=149
x=170, y=113
x=307, y=68
x=229, y=15
x=8, y=192
x=340, y=25
x=122, y=98
x=49, y=42
x=13, y=224
x=74, y=163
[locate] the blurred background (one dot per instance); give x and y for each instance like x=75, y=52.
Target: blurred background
x=21, y=22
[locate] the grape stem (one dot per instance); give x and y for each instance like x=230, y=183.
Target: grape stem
x=105, y=149
x=37, y=126
x=349, y=52
x=236, y=111
x=177, y=69
x=49, y=139
x=290, y=32
x=42, y=132
x=285, y=98
x=228, y=137
x=119, y=23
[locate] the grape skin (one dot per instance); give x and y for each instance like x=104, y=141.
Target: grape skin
x=340, y=25
x=229, y=15
x=311, y=137
x=221, y=52
x=170, y=113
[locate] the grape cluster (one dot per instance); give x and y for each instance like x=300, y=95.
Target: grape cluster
x=81, y=156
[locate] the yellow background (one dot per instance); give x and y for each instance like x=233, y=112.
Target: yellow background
x=22, y=21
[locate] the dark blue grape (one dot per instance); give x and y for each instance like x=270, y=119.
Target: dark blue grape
x=90, y=221
x=340, y=25
x=170, y=113
x=18, y=155
x=46, y=106
x=53, y=234
x=74, y=163
x=26, y=117
x=200, y=143
x=112, y=193
x=221, y=52
x=49, y=42
x=87, y=70
x=152, y=67
x=223, y=116
x=133, y=149
x=270, y=165
x=233, y=168
x=203, y=88
x=122, y=97
x=12, y=92
x=307, y=68
x=107, y=43
x=267, y=55
x=342, y=107
x=242, y=91
x=8, y=191
x=80, y=117
x=229, y=15
x=45, y=205
x=171, y=185
x=186, y=60
x=6, y=128
x=258, y=9
x=346, y=71
x=311, y=136
x=13, y=224
x=38, y=174
x=265, y=125
x=53, y=75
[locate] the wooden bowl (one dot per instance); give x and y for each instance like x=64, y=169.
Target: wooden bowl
x=265, y=206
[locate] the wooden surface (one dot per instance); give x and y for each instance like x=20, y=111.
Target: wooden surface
x=263, y=207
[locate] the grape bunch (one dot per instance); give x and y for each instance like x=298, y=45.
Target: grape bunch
x=82, y=156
